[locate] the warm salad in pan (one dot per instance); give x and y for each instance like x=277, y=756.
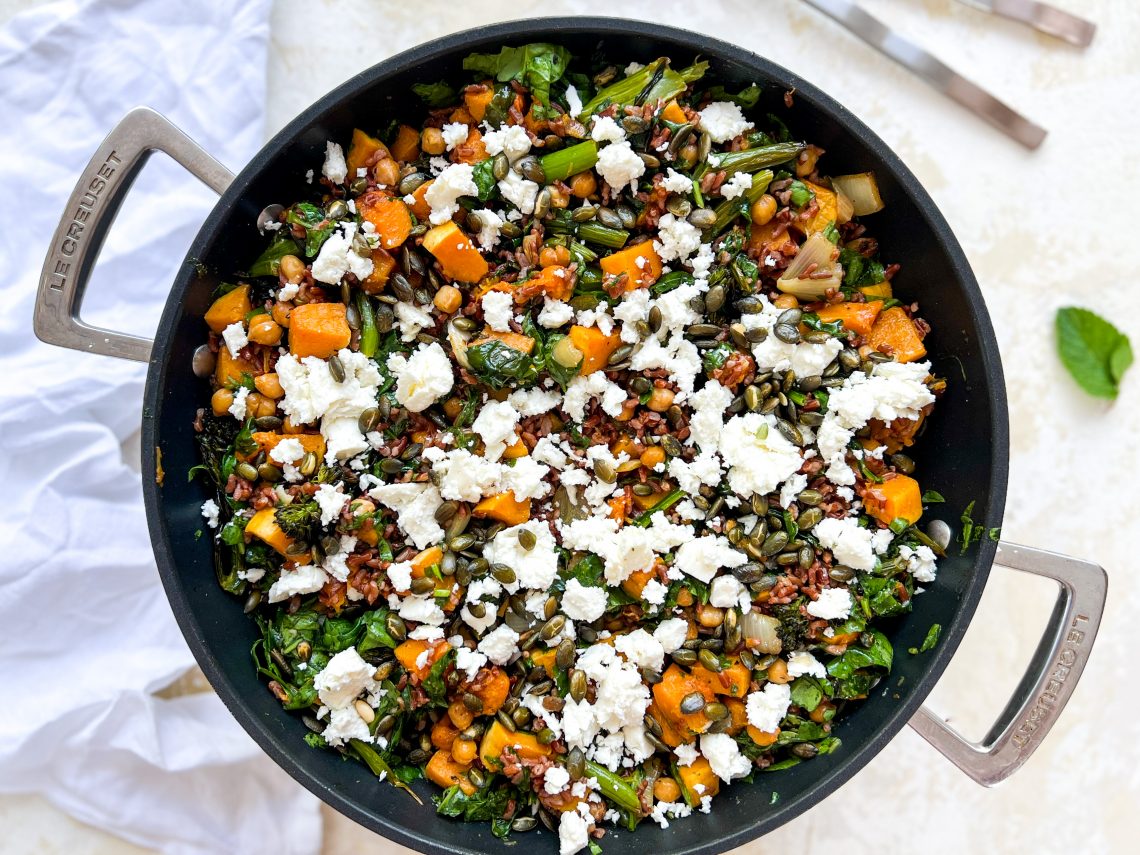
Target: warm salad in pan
x=559, y=445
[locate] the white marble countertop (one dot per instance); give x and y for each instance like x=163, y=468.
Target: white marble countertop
x=1016, y=215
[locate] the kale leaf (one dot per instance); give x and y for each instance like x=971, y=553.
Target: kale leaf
x=536, y=66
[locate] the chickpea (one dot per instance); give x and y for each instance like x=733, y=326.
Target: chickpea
x=292, y=268
x=257, y=405
x=290, y=426
x=660, y=399
x=548, y=257
x=452, y=407
x=763, y=209
x=584, y=184
x=460, y=716
x=709, y=616
x=221, y=401
x=684, y=598
x=652, y=456
x=463, y=751
x=562, y=254
x=778, y=672
x=431, y=141
x=666, y=790
x=386, y=172
x=559, y=198
x=264, y=330
x=805, y=163
x=280, y=313
x=628, y=410
x=786, y=301
x=448, y=299
x=269, y=385
x=689, y=155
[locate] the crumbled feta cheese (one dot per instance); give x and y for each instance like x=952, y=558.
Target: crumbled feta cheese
x=337, y=257
x=633, y=308
x=555, y=780
x=702, y=557
x=633, y=68
x=334, y=169
x=664, y=811
x=832, y=604
x=725, y=591
x=500, y=645
x=463, y=476
x=343, y=679
x=920, y=562
x=605, y=129
x=525, y=477
x=675, y=182
x=288, y=450
x=723, y=121
x=758, y=456
x=490, y=224
x=573, y=833
x=519, y=192
x=573, y=100
x=583, y=602
x=534, y=568
x=619, y=166
x=235, y=338
x=767, y=708
x=533, y=402
x=724, y=756
x=469, y=661
x=330, y=502
x=444, y=192
x=554, y=313
x=498, y=307
x=707, y=420
x=677, y=238
x=496, y=424
x=654, y=593
x=454, y=133
x=593, y=385
x=412, y=319
x=239, y=407
x=686, y=754
x=415, y=505
x=736, y=185
x=423, y=378
x=599, y=317
x=210, y=511
x=288, y=291
x=512, y=139
x=306, y=579
x=801, y=662
x=311, y=393
x=850, y=543
x=641, y=649
x=344, y=724
x=422, y=609
x=400, y=575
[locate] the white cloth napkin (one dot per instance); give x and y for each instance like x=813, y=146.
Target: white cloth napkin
x=86, y=635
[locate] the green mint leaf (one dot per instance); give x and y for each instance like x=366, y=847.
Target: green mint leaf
x=1095, y=352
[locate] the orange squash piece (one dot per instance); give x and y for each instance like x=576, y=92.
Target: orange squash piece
x=896, y=331
x=739, y=715
x=881, y=290
x=765, y=236
x=497, y=737
x=444, y=771
x=516, y=450
x=263, y=526
x=407, y=144
x=555, y=281
x=596, y=347
x=230, y=308
x=544, y=659
x=443, y=733
x=636, y=581
x=732, y=681
x=458, y=257
x=473, y=149
x=462, y=115
x=388, y=214
x=409, y=651
x=318, y=329
x=699, y=772
x=895, y=435
x=673, y=113
x=667, y=694
x=267, y=440
x=762, y=737
x=857, y=317
x=360, y=150
x=669, y=734
x=492, y=687
x=478, y=102
x=504, y=507
x=420, y=206
x=382, y=266
x=827, y=213
x=228, y=370
x=513, y=340
x=640, y=263
x=896, y=498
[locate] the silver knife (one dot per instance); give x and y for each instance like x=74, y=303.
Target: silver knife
x=933, y=70
x=1042, y=17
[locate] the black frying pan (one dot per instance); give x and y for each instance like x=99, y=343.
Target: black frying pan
x=963, y=454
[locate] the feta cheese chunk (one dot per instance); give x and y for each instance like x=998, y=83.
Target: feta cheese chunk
x=724, y=756
x=306, y=579
x=767, y=708
x=423, y=378
x=415, y=505
x=444, y=192
x=454, y=133
x=334, y=169
x=723, y=121
x=235, y=338
x=583, y=603
x=343, y=679
x=702, y=557
x=619, y=166
x=500, y=645
x=758, y=456
x=832, y=604
x=498, y=308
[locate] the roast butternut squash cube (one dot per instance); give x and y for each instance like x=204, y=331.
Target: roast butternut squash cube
x=504, y=507
x=318, y=329
x=896, y=331
x=360, y=150
x=457, y=256
x=263, y=526
x=640, y=263
x=230, y=308
x=897, y=498
x=596, y=347
x=857, y=317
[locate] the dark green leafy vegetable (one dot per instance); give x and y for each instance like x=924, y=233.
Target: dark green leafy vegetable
x=269, y=262
x=317, y=226
x=498, y=365
x=537, y=66
x=656, y=81
x=1095, y=352
x=484, y=177
x=746, y=97
x=932, y=497
x=715, y=357
x=439, y=94
x=808, y=692
x=434, y=683
x=484, y=805
x=801, y=194
x=858, y=270
x=379, y=766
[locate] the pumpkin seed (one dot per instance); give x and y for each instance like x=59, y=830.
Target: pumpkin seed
x=678, y=206
x=790, y=432
x=500, y=166
x=477, y=610
x=702, y=330
x=805, y=557
x=654, y=319
x=368, y=420
x=583, y=214
x=576, y=762
x=412, y=451
x=523, y=824
x=649, y=160
x=756, y=335
x=719, y=726
x=841, y=573
x=391, y=465
x=805, y=750
x=675, y=415
x=693, y=702
x=791, y=317
x=542, y=202
x=710, y=660
x=385, y=318
x=809, y=383
x=774, y=543
x=476, y=777
x=445, y=512
x=423, y=585
x=620, y=354
x=578, y=685
x=626, y=215
x=715, y=298
x=247, y=471
x=411, y=183
x=448, y=564
x=809, y=518
x=269, y=472
x=531, y=169
x=396, y=627
x=402, y=288
x=337, y=209
x=527, y=539
x=464, y=324
x=903, y=463
x=680, y=136
x=787, y=333
x=684, y=657
x=608, y=218
x=812, y=419
x=336, y=368
x=503, y=573
x=564, y=655
x=702, y=218
x=605, y=471
x=506, y=721
x=553, y=626
x=252, y=601
x=716, y=711
x=643, y=490
x=635, y=124
x=640, y=385
x=749, y=305
x=203, y=362
x=473, y=702
x=672, y=446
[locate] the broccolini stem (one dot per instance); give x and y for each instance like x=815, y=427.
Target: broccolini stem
x=614, y=788
x=730, y=209
x=369, y=335
x=603, y=235
x=560, y=165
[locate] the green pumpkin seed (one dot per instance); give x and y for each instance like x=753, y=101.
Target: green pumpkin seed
x=368, y=420
x=684, y=657
x=391, y=465
x=643, y=490
x=680, y=136
x=269, y=423
x=564, y=655
x=583, y=214
x=424, y=585
x=337, y=209
x=710, y=660
x=553, y=626
x=693, y=702
x=790, y=432
x=702, y=218
x=903, y=463
x=203, y=362
x=672, y=446
x=336, y=368
x=473, y=702
x=527, y=539
x=500, y=166
x=626, y=215
x=477, y=610
x=635, y=124
x=503, y=573
x=809, y=518
x=774, y=543
x=531, y=169
x=252, y=601
x=542, y=202
x=576, y=763
x=605, y=471
x=411, y=183
x=396, y=627
x=649, y=160
x=841, y=573
x=716, y=711
x=578, y=685
x=787, y=333
x=247, y=471
x=678, y=206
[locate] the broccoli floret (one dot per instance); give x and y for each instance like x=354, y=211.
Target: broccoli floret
x=299, y=519
x=793, y=625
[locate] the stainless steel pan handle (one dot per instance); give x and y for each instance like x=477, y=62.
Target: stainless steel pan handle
x=1048, y=682
x=96, y=200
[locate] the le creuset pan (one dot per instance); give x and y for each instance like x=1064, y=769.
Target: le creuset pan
x=964, y=453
